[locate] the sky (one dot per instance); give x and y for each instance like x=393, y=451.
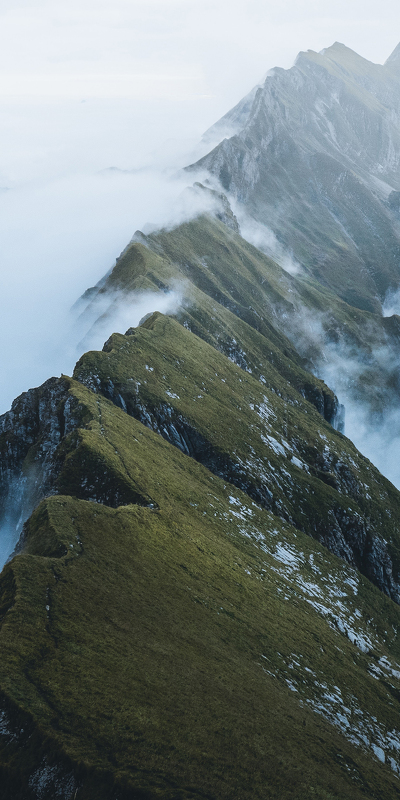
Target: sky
x=129, y=85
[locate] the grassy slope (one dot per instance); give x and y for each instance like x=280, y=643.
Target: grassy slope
x=272, y=448
x=243, y=303
x=294, y=305
x=194, y=644
x=165, y=645
x=208, y=282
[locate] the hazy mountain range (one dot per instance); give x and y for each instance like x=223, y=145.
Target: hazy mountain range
x=201, y=597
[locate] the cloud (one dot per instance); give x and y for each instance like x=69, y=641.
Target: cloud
x=365, y=377
x=91, y=85
x=378, y=440
x=391, y=303
x=265, y=240
x=44, y=44
x=117, y=312
x=58, y=238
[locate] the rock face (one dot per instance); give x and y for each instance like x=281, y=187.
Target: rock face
x=35, y=440
x=276, y=465
x=314, y=158
x=247, y=306
x=30, y=434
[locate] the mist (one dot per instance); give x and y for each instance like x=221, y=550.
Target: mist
x=365, y=380
x=391, y=303
x=101, y=106
x=376, y=435
x=265, y=240
x=374, y=430
x=58, y=238
x=119, y=312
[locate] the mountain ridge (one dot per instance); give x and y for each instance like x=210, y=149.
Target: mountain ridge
x=66, y=535
x=288, y=162
x=203, y=598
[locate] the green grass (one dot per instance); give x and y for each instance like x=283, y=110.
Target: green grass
x=176, y=639
x=150, y=665
x=245, y=305
x=304, y=472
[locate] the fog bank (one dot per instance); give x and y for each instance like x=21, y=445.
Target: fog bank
x=58, y=238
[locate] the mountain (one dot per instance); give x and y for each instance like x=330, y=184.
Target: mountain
x=314, y=161
x=203, y=598
x=315, y=157
x=355, y=351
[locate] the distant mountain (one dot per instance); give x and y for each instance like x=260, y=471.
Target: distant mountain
x=203, y=598
x=315, y=157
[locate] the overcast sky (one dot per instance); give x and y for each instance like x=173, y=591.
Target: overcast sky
x=163, y=68
x=130, y=84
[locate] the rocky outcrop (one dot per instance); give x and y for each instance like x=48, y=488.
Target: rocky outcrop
x=35, y=767
x=41, y=456
x=30, y=434
x=223, y=210
x=344, y=532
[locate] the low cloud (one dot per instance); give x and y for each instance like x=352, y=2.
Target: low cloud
x=378, y=440
x=265, y=240
x=373, y=427
x=391, y=303
x=365, y=379
x=60, y=237
x=116, y=312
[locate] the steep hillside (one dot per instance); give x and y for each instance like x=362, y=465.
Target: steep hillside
x=247, y=306
x=279, y=451
x=163, y=635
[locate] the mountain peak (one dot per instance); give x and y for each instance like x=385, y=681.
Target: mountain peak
x=337, y=54
x=395, y=56
x=343, y=55
x=337, y=47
